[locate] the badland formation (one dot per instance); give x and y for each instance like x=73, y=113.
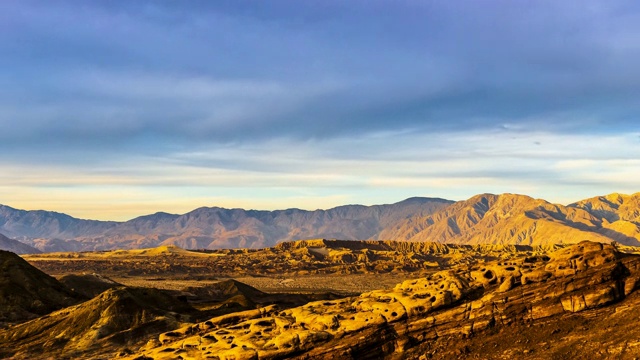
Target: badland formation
x=492, y=277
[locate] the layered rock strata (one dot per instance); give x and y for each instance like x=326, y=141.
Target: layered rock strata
x=386, y=323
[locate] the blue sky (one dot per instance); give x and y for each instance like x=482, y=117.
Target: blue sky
x=113, y=109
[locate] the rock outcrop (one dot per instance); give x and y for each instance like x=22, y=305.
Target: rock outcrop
x=304, y=257
x=378, y=324
x=26, y=292
x=112, y=321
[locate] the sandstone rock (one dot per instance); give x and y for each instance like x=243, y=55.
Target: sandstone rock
x=508, y=284
x=580, y=257
x=601, y=296
x=536, y=276
x=388, y=323
x=631, y=284
x=574, y=303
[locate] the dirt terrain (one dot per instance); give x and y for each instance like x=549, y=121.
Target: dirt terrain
x=444, y=315
x=297, y=258
x=306, y=266
x=322, y=299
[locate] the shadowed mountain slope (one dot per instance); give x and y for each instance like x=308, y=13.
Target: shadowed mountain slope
x=88, y=285
x=26, y=292
x=113, y=320
x=613, y=207
x=519, y=219
x=16, y=246
x=620, y=214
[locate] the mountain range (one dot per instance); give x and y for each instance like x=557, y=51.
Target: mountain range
x=209, y=227
x=520, y=219
x=485, y=218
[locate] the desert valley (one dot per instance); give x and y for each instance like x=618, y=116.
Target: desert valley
x=319, y=180
x=492, y=277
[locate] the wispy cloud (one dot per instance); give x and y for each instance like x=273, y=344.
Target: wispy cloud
x=353, y=101
x=290, y=173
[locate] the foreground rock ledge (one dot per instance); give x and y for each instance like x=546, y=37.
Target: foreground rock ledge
x=381, y=324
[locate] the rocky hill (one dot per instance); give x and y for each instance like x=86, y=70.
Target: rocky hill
x=468, y=301
x=209, y=227
x=88, y=285
x=519, y=219
x=446, y=315
x=112, y=321
x=26, y=292
x=16, y=246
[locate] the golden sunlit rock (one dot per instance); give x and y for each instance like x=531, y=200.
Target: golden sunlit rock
x=436, y=312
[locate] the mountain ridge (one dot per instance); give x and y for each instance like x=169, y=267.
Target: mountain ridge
x=208, y=227
x=483, y=218
x=520, y=219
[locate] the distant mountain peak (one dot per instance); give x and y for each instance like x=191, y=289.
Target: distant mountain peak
x=484, y=218
x=212, y=227
x=521, y=219
x=419, y=199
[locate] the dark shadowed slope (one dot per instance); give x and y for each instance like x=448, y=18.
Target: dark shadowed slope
x=16, y=246
x=115, y=319
x=26, y=292
x=88, y=285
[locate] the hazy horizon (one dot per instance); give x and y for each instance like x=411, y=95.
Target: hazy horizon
x=187, y=210
x=116, y=109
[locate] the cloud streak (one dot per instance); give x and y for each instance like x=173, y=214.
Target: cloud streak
x=372, y=169
x=361, y=101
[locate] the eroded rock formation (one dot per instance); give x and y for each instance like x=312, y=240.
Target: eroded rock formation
x=462, y=301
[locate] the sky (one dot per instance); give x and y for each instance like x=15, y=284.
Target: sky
x=115, y=109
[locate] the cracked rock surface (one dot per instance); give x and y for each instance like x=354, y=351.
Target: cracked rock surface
x=413, y=319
